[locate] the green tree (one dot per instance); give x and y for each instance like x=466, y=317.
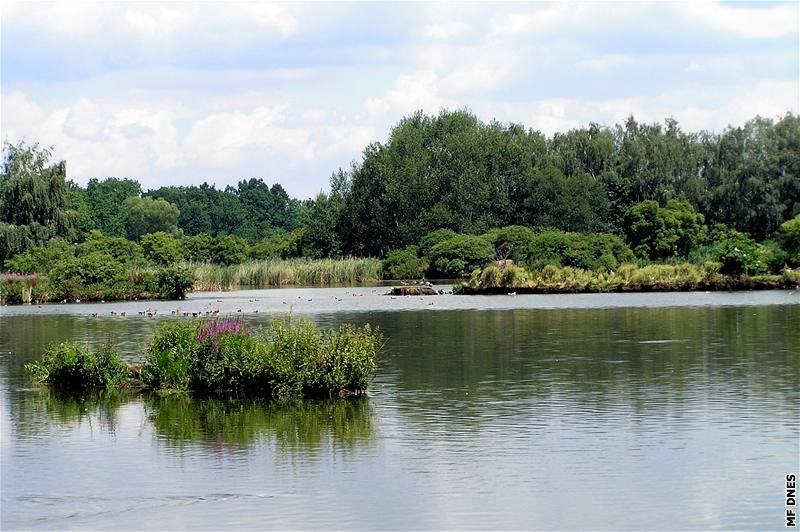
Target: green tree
x=229, y=249
x=790, y=240
x=511, y=241
x=458, y=256
x=147, y=215
x=105, y=200
x=405, y=264
x=656, y=233
x=197, y=248
x=319, y=218
x=160, y=248
x=34, y=199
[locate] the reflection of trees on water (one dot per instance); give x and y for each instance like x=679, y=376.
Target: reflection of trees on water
x=47, y=409
x=641, y=359
x=213, y=421
x=239, y=421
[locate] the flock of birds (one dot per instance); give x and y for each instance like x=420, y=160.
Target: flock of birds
x=211, y=309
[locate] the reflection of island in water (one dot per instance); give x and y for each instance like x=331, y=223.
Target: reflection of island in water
x=216, y=422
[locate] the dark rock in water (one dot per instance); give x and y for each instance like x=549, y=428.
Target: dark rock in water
x=418, y=290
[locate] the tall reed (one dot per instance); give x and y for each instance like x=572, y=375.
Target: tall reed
x=276, y=272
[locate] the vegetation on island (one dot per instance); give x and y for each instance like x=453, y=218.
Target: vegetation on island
x=445, y=195
x=288, y=358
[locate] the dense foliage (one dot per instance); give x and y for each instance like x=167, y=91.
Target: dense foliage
x=444, y=195
x=505, y=278
x=288, y=358
x=34, y=199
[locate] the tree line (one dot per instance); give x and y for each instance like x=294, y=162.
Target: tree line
x=446, y=171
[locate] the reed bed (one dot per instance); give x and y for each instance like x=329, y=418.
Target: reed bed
x=627, y=278
x=275, y=272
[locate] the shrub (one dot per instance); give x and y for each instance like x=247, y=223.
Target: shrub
x=229, y=249
x=160, y=248
x=68, y=365
x=431, y=239
x=458, y=256
x=122, y=249
x=197, y=248
x=588, y=251
x=775, y=258
x=11, y=290
x=172, y=282
x=790, y=240
x=287, y=358
x=656, y=232
x=740, y=254
x=40, y=259
x=512, y=241
x=405, y=264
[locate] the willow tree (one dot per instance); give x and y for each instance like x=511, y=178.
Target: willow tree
x=34, y=199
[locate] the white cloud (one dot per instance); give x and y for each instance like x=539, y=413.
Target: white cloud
x=695, y=67
x=604, y=61
x=754, y=22
x=145, y=20
x=444, y=30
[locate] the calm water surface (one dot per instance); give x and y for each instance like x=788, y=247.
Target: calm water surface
x=615, y=411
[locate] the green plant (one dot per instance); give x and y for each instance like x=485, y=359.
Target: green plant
x=739, y=254
x=160, y=248
x=229, y=249
x=790, y=240
x=289, y=357
x=512, y=241
x=405, y=264
x=69, y=365
x=459, y=255
x=173, y=282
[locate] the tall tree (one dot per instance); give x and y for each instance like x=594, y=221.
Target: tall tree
x=34, y=199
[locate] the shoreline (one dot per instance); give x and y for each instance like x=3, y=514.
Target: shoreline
x=728, y=285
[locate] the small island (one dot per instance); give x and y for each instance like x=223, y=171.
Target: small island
x=288, y=358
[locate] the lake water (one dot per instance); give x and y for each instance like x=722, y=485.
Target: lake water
x=601, y=411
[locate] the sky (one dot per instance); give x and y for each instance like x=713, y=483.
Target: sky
x=178, y=93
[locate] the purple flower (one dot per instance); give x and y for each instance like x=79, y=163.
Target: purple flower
x=213, y=329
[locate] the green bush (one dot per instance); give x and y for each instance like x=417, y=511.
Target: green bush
x=172, y=282
x=122, y=249
x=40, y=259
x=587, y=251
x=655, y=232
x=431, y=239
x=11, y=291
x=405, y=264
x=739, y=254
x=229, y=249
x=774, y=256
x=170, y=356
x=279, y=244
x=287, y=358
x=459, y=255
x=197, y=248
x=512, y=241
x=160, y=248
x=790, y=240
x=68, y=365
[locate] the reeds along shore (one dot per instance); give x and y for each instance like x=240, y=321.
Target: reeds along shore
x=501, y=279
x=302, y=272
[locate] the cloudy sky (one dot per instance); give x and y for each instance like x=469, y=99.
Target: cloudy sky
x=181, y=93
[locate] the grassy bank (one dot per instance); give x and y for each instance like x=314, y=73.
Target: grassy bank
x=288, y=358
x=276, y=272
x=505, y=278
x=78, y=283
